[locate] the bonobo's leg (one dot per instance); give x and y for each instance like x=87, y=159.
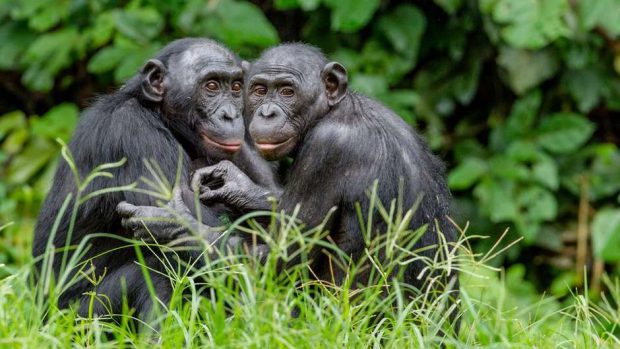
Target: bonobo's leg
x=127, y=283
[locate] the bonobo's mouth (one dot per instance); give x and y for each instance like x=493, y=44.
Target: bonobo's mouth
x=229, y=146
x=265, y=146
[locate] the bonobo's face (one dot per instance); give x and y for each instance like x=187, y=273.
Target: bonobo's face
x=203, y=86
x=289, y=88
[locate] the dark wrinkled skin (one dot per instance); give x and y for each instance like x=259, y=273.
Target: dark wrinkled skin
x=340, y=143
x=167, y=111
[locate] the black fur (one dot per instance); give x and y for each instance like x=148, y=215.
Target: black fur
x=341, y=142
x=162, y=113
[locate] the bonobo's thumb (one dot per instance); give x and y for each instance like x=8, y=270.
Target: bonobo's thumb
x=126, y=209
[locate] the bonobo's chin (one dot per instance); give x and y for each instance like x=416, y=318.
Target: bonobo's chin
x=275, y=150
x=220, y=149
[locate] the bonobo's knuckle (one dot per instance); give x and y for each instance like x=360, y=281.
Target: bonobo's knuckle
x=126, y=209
x=226, y=163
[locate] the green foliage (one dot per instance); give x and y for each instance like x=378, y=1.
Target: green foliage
x=520, y=97
x=606, y=234
x=28, y=153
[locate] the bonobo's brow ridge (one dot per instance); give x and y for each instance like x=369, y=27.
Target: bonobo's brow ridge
x=280, y=68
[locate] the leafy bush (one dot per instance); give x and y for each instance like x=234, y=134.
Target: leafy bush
x=521, y=97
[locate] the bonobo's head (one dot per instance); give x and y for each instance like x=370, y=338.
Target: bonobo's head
x=289, y=88
x=198, y=86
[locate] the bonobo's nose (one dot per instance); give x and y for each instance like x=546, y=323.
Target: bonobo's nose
x=267, y=110
x=229, y=112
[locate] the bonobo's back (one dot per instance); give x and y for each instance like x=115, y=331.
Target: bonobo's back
x=111, y=129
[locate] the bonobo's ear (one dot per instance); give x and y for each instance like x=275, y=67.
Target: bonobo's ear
x=245, y=66
x=153, y=74
x=335, y=78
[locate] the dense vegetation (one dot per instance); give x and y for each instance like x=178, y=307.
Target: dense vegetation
x=520, y=97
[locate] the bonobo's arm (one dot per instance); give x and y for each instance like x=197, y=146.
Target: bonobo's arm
x=234, y=188
x=175, y=220
x=260, y=171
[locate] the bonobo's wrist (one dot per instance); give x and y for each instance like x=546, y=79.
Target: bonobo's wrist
x=260, y=200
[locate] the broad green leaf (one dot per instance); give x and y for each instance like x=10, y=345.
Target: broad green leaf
x=350, y=15
x=402, y=102
x=11, y=121
x=450, y=6
x=309, y=5
x=139, y=24
x=57, y=122
x=21, y=168
x=404, y=27
x=545, y=172
x=497, y=199
x=531, y=24
x=107, y=59
x=467, y=148
x=15, y=141
x=527, y=228
x=603, y=13
x=102, y=30
x=523, y=114
x=133, y=61
x=538, y=204
x=506, y=168
x=465, y=85
x=240, y=25
x=467, y=173
x=585, y=86
x=47, y=56
x=306, y=5
x=286, y=4
x=523, y=151
x=564, y=132
x=604, y=172
x=526, y=69
x=606, y=234
x=376, y=60
x=371, y=85
x=49, y=15
x=15, y=39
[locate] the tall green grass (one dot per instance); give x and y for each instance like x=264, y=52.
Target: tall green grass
x=236, y=301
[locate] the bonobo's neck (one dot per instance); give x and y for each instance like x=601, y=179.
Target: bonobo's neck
x=345, y=106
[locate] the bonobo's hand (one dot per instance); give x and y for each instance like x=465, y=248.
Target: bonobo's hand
x=237, y=191
x=162, y=223
x=176, y=221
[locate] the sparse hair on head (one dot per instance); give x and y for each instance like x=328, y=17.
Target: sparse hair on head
x=180, y=45
x=296, y=48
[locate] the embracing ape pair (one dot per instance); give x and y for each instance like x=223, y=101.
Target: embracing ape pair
x=228, y=118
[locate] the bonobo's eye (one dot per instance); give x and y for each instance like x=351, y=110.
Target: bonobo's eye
x=287, y=92
x=236, y=86
x=212, y=85
x=260, y=90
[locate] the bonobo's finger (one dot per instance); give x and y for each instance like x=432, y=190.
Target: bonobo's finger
x=181, y=199
x=213, y=195
x=199, y=176
x=125, y=209
x=132, y=224
x=177, y=193
x=218, y=171
x=138, y=228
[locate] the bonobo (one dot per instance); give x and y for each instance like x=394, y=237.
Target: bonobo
x=340, y=142
x=186, y=102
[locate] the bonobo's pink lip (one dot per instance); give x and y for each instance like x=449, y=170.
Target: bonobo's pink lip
x=229, y=146
x=268, y=146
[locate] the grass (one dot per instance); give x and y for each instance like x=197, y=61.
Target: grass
x=236, y=302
